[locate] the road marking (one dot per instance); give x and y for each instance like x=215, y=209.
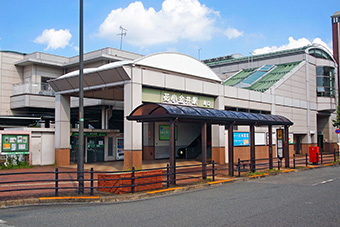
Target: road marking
x=69, y=197
x=323, y=182
x=4, y=224
x=164, y=190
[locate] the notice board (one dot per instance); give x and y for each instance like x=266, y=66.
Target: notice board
x=15, y=144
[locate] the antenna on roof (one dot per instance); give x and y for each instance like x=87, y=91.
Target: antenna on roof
x=122, y=34
x=199, y=53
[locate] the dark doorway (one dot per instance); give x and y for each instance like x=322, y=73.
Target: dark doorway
x=320, y=142
x=297, y=145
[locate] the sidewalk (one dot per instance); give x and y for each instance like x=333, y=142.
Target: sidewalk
x=47, y=177
x=71, y=195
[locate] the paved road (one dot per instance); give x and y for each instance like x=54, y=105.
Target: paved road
x=306, y=198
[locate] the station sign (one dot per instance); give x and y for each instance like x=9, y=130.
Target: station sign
x=177, y=98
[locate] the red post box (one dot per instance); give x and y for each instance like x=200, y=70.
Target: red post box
x=314, y=155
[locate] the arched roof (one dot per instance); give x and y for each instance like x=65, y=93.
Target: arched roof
x=177, y=62
x=163, y=112
x=321, y=47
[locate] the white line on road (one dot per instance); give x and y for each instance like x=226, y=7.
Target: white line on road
x=324, y=182
x=3, y=224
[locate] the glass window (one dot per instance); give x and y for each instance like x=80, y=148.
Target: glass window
x=325, y=81
x=319, y=54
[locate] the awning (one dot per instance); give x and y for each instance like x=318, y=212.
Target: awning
x=151, y=112
x=105, y=76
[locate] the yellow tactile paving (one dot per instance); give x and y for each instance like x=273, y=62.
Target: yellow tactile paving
x=329, y=164
x=287, y=170
x=221, y=181
x=164, y=190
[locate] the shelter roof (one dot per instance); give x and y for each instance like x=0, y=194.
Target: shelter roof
x=149, y=112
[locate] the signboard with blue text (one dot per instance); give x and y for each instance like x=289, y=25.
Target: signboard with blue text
x=241, y=138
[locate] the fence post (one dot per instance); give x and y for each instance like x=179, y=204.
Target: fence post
x=133, y=179
x=239, y=167
x=213, y=170
x=167, y=175
x=334, y=156
x=306, y=159
x=293, y=161
x=91, y=181
x=204, y=171
x=56, y=181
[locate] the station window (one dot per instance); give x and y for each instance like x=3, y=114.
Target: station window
x=325, y=81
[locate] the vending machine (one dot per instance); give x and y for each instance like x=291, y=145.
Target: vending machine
x=120, y=148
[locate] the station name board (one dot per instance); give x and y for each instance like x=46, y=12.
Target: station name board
x=177, y=98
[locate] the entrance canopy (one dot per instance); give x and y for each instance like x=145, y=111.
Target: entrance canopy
x=149, y=112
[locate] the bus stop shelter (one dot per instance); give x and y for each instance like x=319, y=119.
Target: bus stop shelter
x=154, y=112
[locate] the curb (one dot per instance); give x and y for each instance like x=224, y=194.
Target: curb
x=138, y=196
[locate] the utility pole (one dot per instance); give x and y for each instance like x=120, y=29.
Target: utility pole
x=80, y=163
x=199, y=53
x=122, y=34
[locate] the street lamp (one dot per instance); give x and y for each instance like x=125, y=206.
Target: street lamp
x=80, y=164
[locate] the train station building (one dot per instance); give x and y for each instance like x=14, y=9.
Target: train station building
x=299, y=85
x=200, y=103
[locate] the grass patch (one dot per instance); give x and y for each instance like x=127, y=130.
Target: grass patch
x=255, y=173
x=14, y=163
x=274, y=171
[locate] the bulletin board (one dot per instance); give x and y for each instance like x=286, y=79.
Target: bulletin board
x=15, y=144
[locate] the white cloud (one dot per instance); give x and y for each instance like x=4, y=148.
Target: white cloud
x=291, y=45
x=54, y=39
x=232, y=33
x=177, y=20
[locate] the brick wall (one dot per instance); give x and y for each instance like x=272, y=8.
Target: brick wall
x=151, y=179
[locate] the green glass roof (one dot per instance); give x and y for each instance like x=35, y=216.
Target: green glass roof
x=272, y=77
x=274, y=74
x=239, y=77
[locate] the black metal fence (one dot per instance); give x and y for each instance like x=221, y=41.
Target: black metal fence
x=253, y=165
x=67, y=180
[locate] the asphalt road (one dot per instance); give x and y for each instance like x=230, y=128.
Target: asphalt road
x=306, y=198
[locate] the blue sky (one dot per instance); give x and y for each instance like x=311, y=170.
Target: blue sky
x=199, y=28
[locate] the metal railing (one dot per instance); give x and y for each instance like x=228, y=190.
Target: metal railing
x=67, y=180
x=252, y=165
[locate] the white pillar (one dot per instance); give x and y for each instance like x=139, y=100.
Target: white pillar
x=219, y=154
x=62, y=129
x=132, y=129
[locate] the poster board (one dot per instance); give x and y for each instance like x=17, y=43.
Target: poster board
x=164, y=132
x=13, y=144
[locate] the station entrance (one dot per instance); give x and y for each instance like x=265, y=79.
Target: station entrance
x=156, y=141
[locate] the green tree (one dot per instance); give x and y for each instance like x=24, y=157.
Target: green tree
x=336, y=122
